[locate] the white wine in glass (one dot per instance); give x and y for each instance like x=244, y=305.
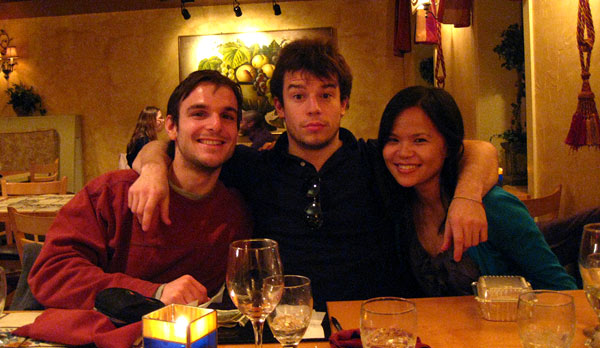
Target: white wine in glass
x=290, y=319
x=589, y=267
x=255, y=280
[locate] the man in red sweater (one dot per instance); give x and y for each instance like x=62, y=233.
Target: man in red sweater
x=97, y=243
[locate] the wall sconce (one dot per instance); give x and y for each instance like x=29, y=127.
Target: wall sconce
x=276, y=8
x=9, y=61
x=236, y=8
x=419, y=5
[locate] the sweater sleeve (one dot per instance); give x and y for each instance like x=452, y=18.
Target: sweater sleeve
x=75, y=262
x=520, y=245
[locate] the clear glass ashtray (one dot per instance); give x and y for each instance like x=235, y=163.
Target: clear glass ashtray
x=498, y=295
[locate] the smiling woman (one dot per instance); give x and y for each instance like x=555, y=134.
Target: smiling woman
x=421, y=138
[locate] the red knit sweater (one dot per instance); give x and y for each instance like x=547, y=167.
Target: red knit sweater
x=97, y=243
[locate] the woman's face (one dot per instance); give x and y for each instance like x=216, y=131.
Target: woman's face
x=160, y=121
x=415, y=151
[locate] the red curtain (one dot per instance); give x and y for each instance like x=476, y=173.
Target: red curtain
x=402, y=28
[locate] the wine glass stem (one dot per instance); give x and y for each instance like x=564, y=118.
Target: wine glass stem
x=258, y=326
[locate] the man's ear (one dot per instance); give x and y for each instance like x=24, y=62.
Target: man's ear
x=171, y=127
x=278, y=108
x=345, y=103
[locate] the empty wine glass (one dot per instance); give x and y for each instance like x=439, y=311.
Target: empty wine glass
x=291, y=317
x=546, y=319
x=2, y=289
x=589, y=267
x=3, y=338
x=255, y=280
x=388, y=322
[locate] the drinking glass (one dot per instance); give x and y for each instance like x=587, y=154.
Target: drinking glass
x=546, y=319
x=2, y=300
x=388, y=322
x=255, y=280
x=291, y=317
x=2, y=289
x=589, y=267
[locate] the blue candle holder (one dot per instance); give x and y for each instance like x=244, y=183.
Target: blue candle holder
x=180, y=326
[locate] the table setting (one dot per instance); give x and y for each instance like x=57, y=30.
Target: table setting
x=257, y=293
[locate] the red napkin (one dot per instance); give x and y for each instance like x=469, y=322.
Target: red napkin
x=79, y=327
x=351, y=339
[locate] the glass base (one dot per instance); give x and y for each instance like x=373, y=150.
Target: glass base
x=590, y=331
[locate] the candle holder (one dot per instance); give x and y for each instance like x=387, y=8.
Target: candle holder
x=180, y=326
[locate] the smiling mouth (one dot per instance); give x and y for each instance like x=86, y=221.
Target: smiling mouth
x=211, y=142
x=406, y=167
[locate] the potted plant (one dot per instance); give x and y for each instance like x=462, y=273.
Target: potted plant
x=24, y=100
x=511, y=52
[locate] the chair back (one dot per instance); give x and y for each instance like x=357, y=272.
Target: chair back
x=29, y=227
x=546, y=206
x=43, y=172
x=33, y=188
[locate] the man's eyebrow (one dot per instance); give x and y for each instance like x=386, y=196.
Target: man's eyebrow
x=204, y=107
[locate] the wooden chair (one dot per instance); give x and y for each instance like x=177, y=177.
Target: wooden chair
x=546, y=206
x=28, y=188
x=29, y=227
x=33, y=188
x=43, y=172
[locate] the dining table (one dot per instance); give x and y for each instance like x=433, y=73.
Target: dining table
x=455, y=322
x=443, y=322
x=49, y=203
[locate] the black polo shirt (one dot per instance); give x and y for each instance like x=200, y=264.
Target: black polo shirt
x=352, y=255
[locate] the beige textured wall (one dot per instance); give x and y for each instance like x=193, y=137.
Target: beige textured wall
x=553, y=66
x=107, y=67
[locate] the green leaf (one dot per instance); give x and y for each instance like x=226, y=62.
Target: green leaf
x=212, y=63
x=235, y=53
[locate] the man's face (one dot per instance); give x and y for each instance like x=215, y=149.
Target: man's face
x=207, y=132
x=312, y=110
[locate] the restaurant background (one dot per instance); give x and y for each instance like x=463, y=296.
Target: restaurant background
x=108, y=66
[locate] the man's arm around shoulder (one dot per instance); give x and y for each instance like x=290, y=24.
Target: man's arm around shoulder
x=152, y=187
x=466, y=223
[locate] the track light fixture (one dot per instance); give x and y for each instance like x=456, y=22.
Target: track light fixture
x=276, y=8
x=236, y=8
x=184, y=12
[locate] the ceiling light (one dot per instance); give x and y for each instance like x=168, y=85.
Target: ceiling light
x=184, y=12
x=276, y=8
x=236, y=8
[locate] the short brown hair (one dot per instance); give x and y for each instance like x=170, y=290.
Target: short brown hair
x=185, y=88
x=317, y=56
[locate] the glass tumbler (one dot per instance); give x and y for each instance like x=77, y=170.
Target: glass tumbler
x=546, y=319
x=387, y=322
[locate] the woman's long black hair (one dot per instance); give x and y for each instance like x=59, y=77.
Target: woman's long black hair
x=445, y=115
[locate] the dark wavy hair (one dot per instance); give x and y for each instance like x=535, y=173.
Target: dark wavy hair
x=145, y=126
x=317, y=56
x=185, y=88
x=441, y=108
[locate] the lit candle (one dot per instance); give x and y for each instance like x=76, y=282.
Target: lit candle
x=180, y=326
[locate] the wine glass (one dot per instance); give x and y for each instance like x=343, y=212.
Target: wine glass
x=589, y=268
x=388, y=322
x=546, y=319
x=3, y=338
x=291, y=317
x=255, y=280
